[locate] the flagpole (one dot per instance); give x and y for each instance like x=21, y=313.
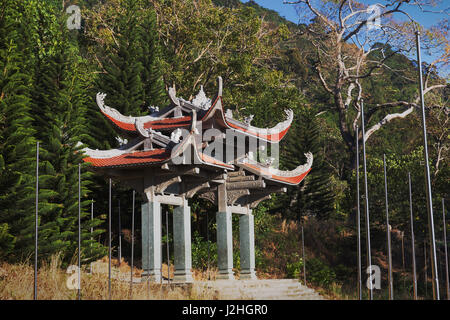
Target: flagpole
x=366, y=199
x=428, y=180
x=79, y=231
x=132, y=246
x=358, y=214
x=207, y=239
x=92, y=228
x=388, y=233
x=304, y=257
x=167, y=246
x=109, y=242
x=36, y=222
x=120, y=238
x=445, y=249
x=413, y=249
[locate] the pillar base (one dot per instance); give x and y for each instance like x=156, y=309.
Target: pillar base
x=248, y=275
x=183, y=277
x=151, y=241
x=152, y=276
x=225, y=275
x=224, y=246
x=182, y=244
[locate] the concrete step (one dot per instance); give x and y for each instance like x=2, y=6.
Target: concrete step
x=285, y=289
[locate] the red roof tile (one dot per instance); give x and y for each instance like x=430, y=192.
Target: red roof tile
x=129, y=159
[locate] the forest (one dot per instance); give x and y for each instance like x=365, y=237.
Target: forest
x=322, y=68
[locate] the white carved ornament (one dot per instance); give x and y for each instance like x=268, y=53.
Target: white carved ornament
x=113, y=113
x=280, y=127
x=301, y=169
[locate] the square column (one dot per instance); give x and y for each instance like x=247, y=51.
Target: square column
x=247, y=246
x=224, y=245
x=182, y=243
x=151, y=240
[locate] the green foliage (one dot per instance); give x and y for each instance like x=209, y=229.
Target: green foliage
x=314, y=195
x=295, y=269
x=133, y=50
x=319, y=273
x=201, y=253
x=17, y=146
x=7, y=241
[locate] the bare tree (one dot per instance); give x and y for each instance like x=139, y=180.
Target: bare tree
x=354, y=42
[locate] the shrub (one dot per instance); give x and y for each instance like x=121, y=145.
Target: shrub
x=295, y=269
x=319, y=273
x=200, y=252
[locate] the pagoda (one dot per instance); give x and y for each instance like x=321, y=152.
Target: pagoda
x=195, y=148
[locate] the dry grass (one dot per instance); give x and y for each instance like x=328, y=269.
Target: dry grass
x=17, y=283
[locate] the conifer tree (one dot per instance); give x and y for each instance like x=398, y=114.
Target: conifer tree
x=17, y=145
x=313, y=196
x=59, y=117
x=121, y=79
x=154, y=93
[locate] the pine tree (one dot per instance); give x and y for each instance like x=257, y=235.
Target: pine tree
x=59, y=104
x=122, y=77
x=17, y=145
x=313, y=196
x=154, y=92
x=132, y=79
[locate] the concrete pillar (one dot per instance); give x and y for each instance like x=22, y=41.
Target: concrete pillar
x=182, y=243
x=247, y=246
x=151, y=241
x=224, y=245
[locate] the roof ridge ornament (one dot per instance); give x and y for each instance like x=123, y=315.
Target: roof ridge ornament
x=111, y=112
x=173, y=95
x=220, y=86
x=201, y=100
x=295, y=175
x=249, y=119
x=175, y=136
x=121, y=141
x=153, y=109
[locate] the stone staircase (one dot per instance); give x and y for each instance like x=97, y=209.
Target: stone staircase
x=273, y=289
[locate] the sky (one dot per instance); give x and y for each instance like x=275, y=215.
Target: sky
x=426, y=19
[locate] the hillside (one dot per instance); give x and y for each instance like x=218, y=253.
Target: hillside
x=135, y=50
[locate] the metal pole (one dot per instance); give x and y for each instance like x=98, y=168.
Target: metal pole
x=427, y=174
x=79, y=231
x=358, y=216
x=132, y=246
x=207, y=239
x=413, y=250
x=109, y=242
x=388, y=233
x=304, y=258
x=366, y=198
x=426, y=274
x=92, y=228
x=120, y=239
x=403, y=250
x=36, y=222
x=148, y=256
x=445, y=250
x=167, y=246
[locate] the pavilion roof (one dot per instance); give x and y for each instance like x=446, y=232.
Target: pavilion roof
x=179, y=115
x=167, y=146
x=174, y=152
